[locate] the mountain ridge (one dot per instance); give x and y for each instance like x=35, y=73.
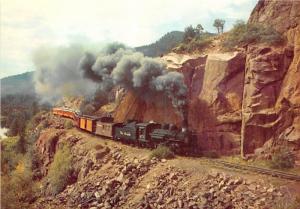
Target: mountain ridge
x=18, y=84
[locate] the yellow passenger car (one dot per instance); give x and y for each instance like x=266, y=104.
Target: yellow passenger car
x=88, y=123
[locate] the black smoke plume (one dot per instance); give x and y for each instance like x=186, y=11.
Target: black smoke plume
x=133, y=71
x=115, y=65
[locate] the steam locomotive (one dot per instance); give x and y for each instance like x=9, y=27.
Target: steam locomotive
x=144, y=134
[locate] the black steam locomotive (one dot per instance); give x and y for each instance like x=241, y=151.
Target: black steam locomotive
x=142, y=134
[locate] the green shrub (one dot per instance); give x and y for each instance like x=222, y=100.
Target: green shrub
x=243, y=34
x=162, y=152
x=180, y=48
x=189, y=33
x=60, y=170
x=44, y=124
x=9, y=156
x=283, y=159
x=68, y=124
x=195, y=44
x=18, y=189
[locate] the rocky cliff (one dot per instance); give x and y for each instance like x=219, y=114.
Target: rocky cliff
x=242, y=100
x=271, y=90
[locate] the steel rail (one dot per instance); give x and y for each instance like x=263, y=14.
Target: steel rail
x=265, y=171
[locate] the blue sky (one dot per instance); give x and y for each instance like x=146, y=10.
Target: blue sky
x=31, y=24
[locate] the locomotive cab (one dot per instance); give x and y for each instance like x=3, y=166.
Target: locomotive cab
x=144, y=130
x=126, y=132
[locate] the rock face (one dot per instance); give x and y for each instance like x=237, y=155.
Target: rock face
x=271, y=91
x=215, y=87
x=219, y=102
x=281, y=15
x=261, y=119
x=46, y=146
x=248, y=98
x=157, y=109
x=291, y=91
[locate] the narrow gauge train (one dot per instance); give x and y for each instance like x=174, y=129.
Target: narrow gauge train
x=144, y=134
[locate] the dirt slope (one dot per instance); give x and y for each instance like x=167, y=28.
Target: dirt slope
x=114, y=175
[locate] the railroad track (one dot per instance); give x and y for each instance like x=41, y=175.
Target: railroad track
x=270, y=172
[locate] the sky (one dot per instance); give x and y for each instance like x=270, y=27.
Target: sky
x=25, y=26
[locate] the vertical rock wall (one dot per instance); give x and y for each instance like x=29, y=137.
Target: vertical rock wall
x=271, y=101
x=265, y=71
x=220, y=101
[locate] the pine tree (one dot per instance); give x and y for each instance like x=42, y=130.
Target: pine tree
x=21, y=145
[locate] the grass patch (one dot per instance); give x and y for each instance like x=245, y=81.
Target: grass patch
x=17, y=184
x=68, y=124
x=197, y=43
x=193, y=45
x=60, y=171
x=288, y=203
x=283, y=159
x=244, y=34
x=9, y=155
x=18, y=189
x=162, y=152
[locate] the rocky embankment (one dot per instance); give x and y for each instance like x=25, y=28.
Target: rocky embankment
x=112, y=175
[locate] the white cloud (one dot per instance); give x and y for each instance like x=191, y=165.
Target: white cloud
x=26, y=25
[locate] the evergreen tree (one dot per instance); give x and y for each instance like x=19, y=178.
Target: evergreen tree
x=189, y=33
x=13, y=127
x=35, y=108
x=21, y=144
x=219, y=24
x=199, y=29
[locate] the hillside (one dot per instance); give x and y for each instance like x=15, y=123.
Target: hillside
x=163, y=45
x=107, y=174
x=18, y=84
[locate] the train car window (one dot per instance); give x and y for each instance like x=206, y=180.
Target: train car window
x=142, y=131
